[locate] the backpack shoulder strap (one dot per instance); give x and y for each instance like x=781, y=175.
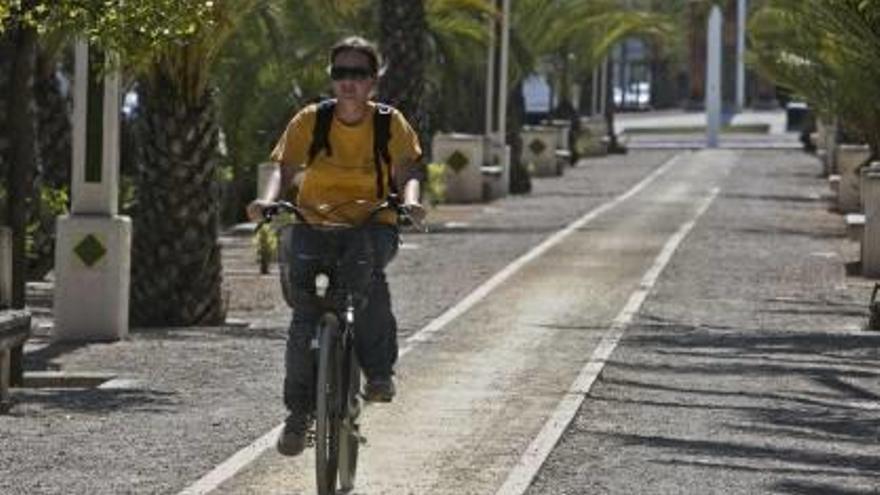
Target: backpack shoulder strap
x=381, y=137
x=321, y=131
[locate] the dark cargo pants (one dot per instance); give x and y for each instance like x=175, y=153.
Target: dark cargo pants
x=357, y=257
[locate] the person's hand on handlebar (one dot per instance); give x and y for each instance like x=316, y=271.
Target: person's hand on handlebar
x=255, y=209
x=415, y=212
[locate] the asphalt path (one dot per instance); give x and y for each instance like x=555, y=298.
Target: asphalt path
x=475, y=394
x=748, y=369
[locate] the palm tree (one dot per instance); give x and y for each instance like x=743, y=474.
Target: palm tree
x=579, y=33
x=825, y=51
x=21, y=157
x=176, y=261
x=457, y=39
x=402, y=28
x=176, y=257
x=424, y=38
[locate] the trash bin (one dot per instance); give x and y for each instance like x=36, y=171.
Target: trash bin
x=795, y=116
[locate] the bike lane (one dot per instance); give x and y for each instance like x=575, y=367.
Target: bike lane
x=475, y=391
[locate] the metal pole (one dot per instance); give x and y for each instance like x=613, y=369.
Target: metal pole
x=502, y=83
x=490, y=79
x=740, y=54
x=713, y=78
x=603, y=85
x=594, y=103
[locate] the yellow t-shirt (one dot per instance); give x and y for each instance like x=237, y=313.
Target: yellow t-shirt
x=332, y=184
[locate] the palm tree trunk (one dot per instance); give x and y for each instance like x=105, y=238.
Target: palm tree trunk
x=21, y=122
x=23, y=153
x=613, y=145
x=520, y=181
x=7, y=53
x=402, y=33
x=176, y=255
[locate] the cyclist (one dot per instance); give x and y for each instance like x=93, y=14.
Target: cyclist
x=338, y=171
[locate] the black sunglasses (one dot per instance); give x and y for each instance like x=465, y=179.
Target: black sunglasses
x=340, y=72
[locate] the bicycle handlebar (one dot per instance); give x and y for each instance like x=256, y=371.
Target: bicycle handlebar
x=392, y=203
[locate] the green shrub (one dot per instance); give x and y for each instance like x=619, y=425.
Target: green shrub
x=435, y=190
x=266, y=243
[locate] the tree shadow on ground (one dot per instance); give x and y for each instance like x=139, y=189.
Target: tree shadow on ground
x=778, y=198
x=45, y=357
x=811, y=488
x=794, y=403
x=780, y=231
x=853, y=268
x=867, y=465
x=96, y=400
x=442, y=229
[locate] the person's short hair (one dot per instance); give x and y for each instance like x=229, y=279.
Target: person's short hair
x=360, y=45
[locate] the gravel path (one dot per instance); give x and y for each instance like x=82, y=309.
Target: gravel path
x=200, y=394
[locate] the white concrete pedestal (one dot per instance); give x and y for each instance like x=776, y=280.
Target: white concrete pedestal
x=539, y=150
x=93, y=243
x=849, y=158
x=92, y=274
x=463, y=155
x=592, y=141
x=871, y=237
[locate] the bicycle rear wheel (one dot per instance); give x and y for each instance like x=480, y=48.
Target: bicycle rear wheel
x=328, y=402
x=350, y=438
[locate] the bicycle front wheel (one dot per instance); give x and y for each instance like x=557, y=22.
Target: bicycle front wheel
x=350, y=438
x=328, y=402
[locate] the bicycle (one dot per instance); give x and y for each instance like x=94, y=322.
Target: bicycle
x=337, y=432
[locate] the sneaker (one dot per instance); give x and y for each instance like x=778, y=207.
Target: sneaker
x=292, y=440
x=379, y=389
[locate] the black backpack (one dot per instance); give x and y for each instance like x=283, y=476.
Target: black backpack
x=381, y=136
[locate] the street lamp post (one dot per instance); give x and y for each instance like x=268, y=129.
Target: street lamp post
x=497, y=152
x=741, y=19
x=713, y=77
x=502, y=72
x=490, y=80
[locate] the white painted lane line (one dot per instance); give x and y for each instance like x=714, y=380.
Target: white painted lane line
x=533, y=458
x=234, y=464
x=245, y=456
